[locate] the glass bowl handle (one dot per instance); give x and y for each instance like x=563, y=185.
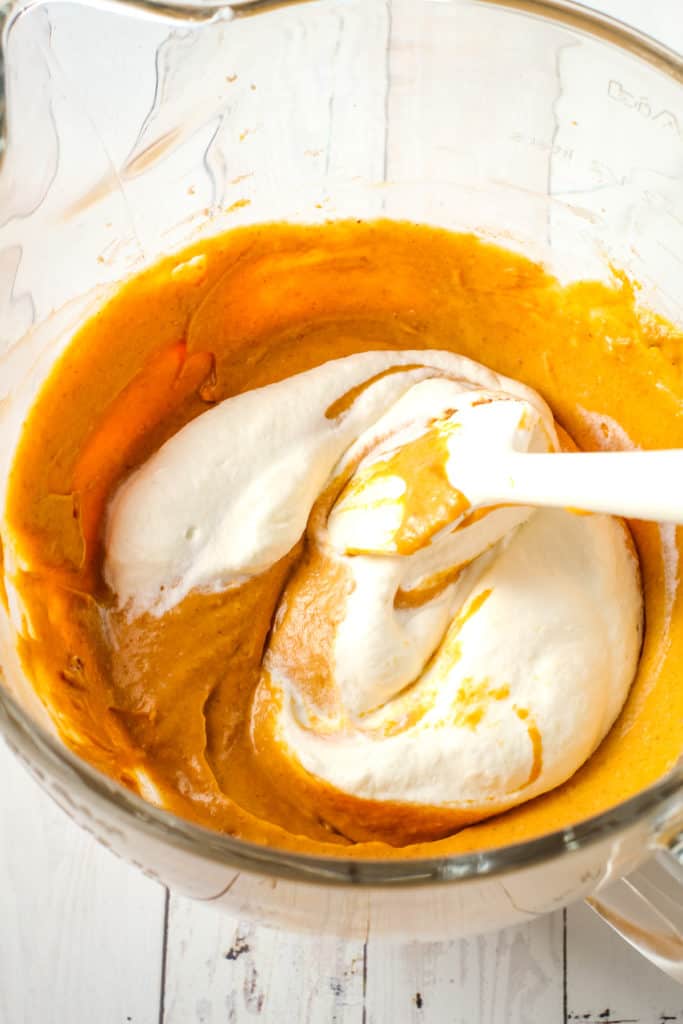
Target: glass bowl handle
x=646, y=907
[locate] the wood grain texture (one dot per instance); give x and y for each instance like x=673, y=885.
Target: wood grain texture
x=509, y=977
x=220, y=970
x=80, y=932
x=609, y=983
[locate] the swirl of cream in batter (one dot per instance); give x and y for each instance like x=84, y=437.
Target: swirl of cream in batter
x=429, y=664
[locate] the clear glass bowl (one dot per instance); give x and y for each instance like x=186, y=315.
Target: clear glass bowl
x=134, y=128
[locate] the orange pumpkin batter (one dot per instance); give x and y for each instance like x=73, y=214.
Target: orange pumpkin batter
x=163, y=704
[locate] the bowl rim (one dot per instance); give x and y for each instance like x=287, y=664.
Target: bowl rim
x=659, y=806
x=45, y=755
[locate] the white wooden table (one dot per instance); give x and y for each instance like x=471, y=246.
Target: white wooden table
x=85, y=939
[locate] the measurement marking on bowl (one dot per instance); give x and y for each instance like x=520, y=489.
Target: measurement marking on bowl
x=643, y=106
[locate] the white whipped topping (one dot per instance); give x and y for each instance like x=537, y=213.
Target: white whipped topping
x=492, y=687
x=230, y=493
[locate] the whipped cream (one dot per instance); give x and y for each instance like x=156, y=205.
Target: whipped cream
x=423, y=652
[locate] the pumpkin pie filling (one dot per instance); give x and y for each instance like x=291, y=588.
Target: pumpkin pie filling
x=243, y=675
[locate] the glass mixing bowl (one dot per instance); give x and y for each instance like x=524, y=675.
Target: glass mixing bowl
x=135, y=127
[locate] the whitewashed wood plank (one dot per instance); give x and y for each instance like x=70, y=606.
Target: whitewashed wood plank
x=81, y=933
x=608, y=982
x=509, y=977
x=219, y=969
x=222, y=970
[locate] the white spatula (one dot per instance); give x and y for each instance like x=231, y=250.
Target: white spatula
x=634, y=484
